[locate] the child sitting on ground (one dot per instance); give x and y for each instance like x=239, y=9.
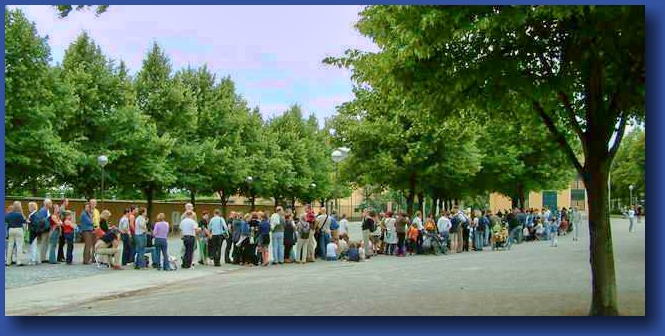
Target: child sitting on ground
x=354, y=252
x=361, y=250
x=331, y=250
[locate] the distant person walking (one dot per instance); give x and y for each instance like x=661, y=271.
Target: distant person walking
x=15, y=222
x=631, y=219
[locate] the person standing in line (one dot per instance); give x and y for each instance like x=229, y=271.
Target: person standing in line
x=303, y=229
x=323, y=226
x=54, y=234
x=203, y=239
x=343, y=226
x=15, y=222
x=401, y=225
x=86, y=229
x=218, y=229
x=277, y=223
x=125, y=235
x=443, y=225
x=96, y=217
x=140, y=230
x=229, y=238
x=310, y=217
x=368, y=226
x=133, y=210
x=161, y=232
x=61, y=240
x=43, y=230
x=189, y=229
x=68, y=230
x=290, y=237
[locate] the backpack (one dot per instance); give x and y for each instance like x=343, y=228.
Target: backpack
x=372, y=225
x=304, y=230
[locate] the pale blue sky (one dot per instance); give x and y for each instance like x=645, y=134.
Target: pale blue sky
x=273, y=53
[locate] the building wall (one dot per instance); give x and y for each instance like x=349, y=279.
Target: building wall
x=499, y=202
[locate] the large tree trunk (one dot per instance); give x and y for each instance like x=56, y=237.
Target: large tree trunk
x=276, y=201
x=253, y=200
x=149, y=194
x=421, y=202
x=192, y=197
x=521, y=196
x=411, y=195
x=34, y=188
x=604, y=294
x=224, y=200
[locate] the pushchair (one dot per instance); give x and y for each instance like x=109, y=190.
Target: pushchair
x=432, y=243
x=500, y=239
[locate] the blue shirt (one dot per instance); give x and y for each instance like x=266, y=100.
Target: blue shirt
x=86, y=222
x=14, y=220
x=217, y=226
x=244, y=228
x=353, y=254
x=264, y=227
x=334, y=225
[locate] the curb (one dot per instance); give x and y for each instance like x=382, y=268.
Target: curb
x=108, y=296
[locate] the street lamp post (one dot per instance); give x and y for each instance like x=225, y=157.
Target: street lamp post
x=249, y=181
x=102, y=160
x=311, y=198
x=631, y=187
x=337, y=157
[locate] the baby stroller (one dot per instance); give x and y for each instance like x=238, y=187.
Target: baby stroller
x=432, y=242
x=500, y=239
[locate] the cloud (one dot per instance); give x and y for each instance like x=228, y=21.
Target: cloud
x=273, y=53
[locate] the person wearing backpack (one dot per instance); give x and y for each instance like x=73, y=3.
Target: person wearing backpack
x=323, y=227
x=303, y=230
x=368, y=226
x=41, y=230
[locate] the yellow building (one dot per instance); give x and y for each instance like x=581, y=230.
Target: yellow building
x=574, y=195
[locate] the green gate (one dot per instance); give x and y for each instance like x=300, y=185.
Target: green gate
x=549, y=200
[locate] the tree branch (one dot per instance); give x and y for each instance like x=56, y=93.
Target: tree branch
x=617, y=140
x=560, y=139
x=571, y=114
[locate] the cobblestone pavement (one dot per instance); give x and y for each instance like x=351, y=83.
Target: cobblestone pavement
x=530, y=279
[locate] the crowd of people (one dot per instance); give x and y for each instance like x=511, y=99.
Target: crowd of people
x=260, y=238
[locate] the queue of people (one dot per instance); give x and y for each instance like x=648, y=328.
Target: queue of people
x=260, y=238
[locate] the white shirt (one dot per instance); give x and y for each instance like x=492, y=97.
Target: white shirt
x=188, y=227
x=124, y=224
x=274, y=220
x=330, y=250
x=140, y=225
x=444, y=224
x=343, y=226
x=631, y=213
x=390, y=224
x=419, y=222
x=324, y=222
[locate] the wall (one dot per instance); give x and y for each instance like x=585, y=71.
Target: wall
x=116, y=207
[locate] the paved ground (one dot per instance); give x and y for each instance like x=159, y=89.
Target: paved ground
x=531, y=279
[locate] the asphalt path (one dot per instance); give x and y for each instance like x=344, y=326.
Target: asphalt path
x=530, y=279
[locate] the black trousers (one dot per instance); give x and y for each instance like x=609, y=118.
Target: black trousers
x=465, y=244
x=215, y=248
x=238, y=255
x=127, y=249
x=61, y=248
x=189, y=242
x=227, y=250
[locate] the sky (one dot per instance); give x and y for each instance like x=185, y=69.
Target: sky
x=272, y=53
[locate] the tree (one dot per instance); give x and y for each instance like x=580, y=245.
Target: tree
x=629, y=166
x=35, y=98
x=580, y=69
x=100, y=88
x=172, y=108
x=65, y=10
